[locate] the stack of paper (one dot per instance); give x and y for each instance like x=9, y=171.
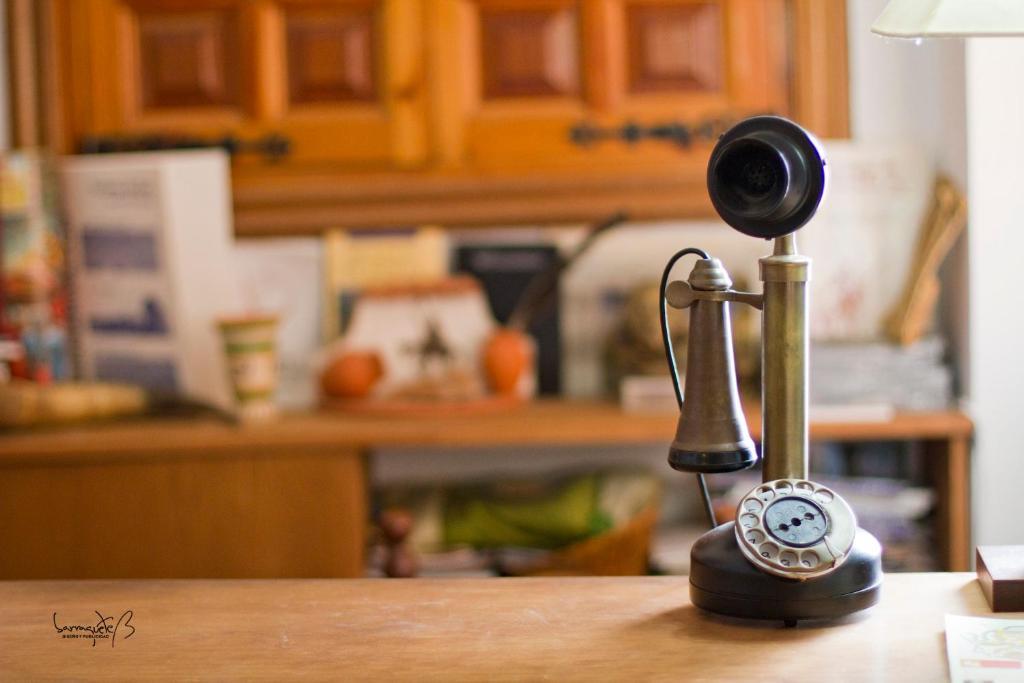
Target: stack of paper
x=908, y=378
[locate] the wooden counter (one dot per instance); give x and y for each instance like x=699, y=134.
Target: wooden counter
x=623, y=629
x=160, y=498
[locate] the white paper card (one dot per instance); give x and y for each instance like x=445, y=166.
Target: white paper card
x=150, y=239
x=984, y=649
x=863, y=237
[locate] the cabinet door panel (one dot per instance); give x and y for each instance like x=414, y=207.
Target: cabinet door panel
x=331, y=55
x=187, y=58
x=529, y=51
x=340, y=97
x=176, y=61
x=510, y=77
x=700, y=58
x=674, y=48
x=350, y=87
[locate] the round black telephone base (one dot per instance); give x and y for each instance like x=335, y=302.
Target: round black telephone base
x=723, y=581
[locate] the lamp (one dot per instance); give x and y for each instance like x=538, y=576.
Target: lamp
x=950, y=18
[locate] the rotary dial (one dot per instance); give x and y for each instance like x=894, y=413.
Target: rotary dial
x=795, y=528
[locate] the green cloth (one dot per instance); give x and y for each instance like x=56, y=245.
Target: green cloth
x=501, y=517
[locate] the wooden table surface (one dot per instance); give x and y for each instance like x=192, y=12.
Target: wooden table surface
x=627, y=629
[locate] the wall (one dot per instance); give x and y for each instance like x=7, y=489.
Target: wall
x=956, y=98
x=904, y=90
x=995, y=110
x=907, y=90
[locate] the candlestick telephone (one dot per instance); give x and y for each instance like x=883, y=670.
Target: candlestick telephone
x=795, y=550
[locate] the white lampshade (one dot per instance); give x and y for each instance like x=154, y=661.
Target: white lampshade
x=950, y=18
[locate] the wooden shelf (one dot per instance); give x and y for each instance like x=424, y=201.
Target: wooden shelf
x=199, y=485
x=555, y=422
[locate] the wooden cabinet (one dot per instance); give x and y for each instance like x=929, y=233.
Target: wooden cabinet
x=527, y=80
x=460, y=112
x=339, y=79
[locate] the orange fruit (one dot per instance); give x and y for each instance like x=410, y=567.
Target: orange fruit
x=353, y=374
x=507, y=354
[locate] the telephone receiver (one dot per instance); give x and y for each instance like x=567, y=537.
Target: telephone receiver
x=795, y=550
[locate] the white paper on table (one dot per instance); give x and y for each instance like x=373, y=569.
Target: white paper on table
x=984, y=649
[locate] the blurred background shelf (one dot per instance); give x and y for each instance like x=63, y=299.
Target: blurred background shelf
x=201, y=498
x=550, y=421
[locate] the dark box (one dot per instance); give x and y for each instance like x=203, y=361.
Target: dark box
x=505, y=271
x=1001, y=575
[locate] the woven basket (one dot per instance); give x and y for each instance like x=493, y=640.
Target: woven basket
x=623, y=551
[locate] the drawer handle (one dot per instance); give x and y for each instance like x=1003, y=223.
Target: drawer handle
x=273, y=146
x=586, y=134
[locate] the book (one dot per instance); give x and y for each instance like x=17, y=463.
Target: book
x=505, y=271
x=150, y=247
x=34, y=322
x=355, y=260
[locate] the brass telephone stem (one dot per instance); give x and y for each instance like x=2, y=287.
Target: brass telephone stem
x=784, y=350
